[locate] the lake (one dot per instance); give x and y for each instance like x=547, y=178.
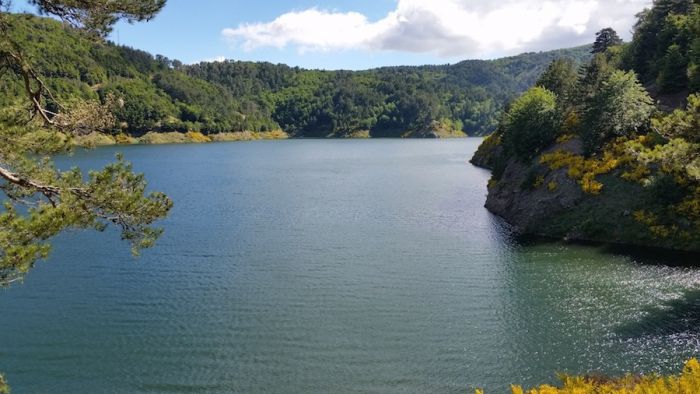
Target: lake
x=334, y=266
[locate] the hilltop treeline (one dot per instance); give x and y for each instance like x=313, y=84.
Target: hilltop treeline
x=155, y=93
x=389, y=102
x=589, y=149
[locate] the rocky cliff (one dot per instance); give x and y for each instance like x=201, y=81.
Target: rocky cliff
x=537, y=199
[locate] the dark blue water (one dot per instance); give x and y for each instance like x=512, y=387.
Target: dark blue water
x=333, y=266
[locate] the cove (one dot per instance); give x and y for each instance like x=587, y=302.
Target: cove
x=334, y=266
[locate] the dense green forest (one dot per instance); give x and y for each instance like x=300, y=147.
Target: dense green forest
x=154, y=93
x=609, y=150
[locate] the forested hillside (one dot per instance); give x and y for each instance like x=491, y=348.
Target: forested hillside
x=153, y=93
x=389, y=102
x=610, y=150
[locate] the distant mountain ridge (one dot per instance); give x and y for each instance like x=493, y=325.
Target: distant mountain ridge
x=159, y=94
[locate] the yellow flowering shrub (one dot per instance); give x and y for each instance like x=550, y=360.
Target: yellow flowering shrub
x=552, y=186
x=196, y=136
x=122, y=138
x=680, y=160
x=581, y=169
x=688, y=382
x=637, y=173
x=585, y=170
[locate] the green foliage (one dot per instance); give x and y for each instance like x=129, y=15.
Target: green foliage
x=389, y=102
x=673, y=72
x=561, y=78
x=531, y=123
x=98, y=16
x=680, y=123
x=144, y=107
x=665, y=45
x=57, y=200
x=41, y=201
x=620, y=107
x=605, y=39
x=154, y=95
x=591, y=77
x=160, y=94
x=694, y=50
x=641, y=170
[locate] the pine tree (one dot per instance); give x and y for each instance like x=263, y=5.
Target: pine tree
x=42, y=200
x=604, y=39
x=673, y=76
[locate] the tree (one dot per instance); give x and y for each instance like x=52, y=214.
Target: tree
x=673, y=76
x=619, y=107
x=656, y=29
x=531, y=123
x=98, y=16
x=694, y=52
x=605, y=39
x=591, y=76
x=560, y=78
x=682, y=124
x=42, y=200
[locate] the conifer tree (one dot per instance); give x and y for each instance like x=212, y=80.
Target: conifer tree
x=41, y=200
x=604, y=39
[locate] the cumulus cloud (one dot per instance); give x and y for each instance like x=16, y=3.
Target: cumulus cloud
x=214, y=59
x=448, y=28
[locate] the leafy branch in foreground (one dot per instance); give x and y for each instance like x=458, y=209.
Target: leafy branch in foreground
x=42, y=200
x=56, y=200
x=98, y=16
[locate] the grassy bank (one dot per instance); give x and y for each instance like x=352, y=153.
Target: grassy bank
x=99, y=139
x=193, y=137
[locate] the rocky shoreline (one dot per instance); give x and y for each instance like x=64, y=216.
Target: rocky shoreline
x=537, y=200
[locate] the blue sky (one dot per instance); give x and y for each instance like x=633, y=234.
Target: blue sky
x=361, y=34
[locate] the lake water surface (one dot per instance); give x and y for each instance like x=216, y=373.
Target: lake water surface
x=334, y=266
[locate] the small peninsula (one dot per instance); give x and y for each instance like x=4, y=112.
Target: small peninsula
x=609, y=151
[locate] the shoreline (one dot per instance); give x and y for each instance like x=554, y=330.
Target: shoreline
x=193, y=137
x=174, y=137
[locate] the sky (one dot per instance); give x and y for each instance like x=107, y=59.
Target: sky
x=361, y=34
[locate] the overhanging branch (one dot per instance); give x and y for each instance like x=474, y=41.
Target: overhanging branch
x=49, y=191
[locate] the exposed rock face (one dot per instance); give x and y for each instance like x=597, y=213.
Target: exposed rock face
x=537, y=200
x=488, y=153
x=525, y=206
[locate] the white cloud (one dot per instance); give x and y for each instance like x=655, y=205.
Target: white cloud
x=213, y=59
x=447, y=28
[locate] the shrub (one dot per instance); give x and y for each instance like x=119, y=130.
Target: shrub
x=531, y=124
x=196, y=136
x=688, y=382
x=582, y=169
x=619, y=108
